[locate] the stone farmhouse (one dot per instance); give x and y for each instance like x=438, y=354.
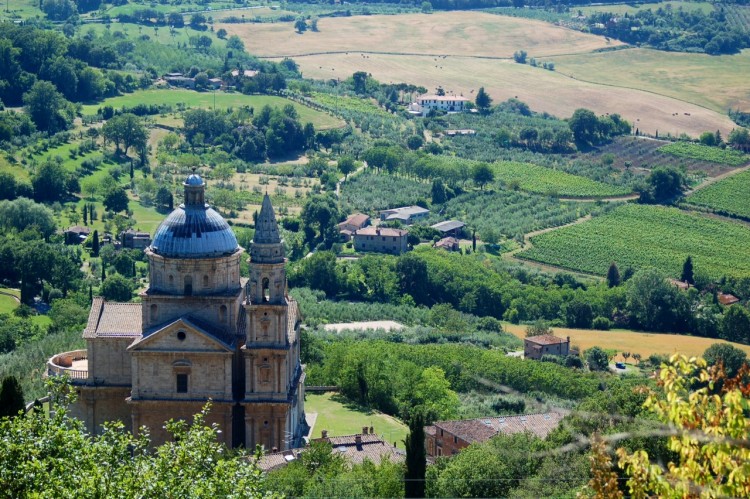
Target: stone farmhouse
x=385, y=240
x=447, y=103
x=446, y=438
x=534, y=347
x=353, y=223
x=200, y=332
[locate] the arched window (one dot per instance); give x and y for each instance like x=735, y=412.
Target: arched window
x=170, y=280
x=266, y=290
x=205, y=281
x=223, y=314
x=188, y=285
x=154, y=314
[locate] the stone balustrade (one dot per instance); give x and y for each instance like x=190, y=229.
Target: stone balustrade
x=74, y=364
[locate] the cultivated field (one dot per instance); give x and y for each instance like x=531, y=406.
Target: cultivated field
x=341, y=418
x=444, y=33
x=715, y=82
x=700, y=152
x=647, y=236
x=731, y=195
x=622, y=9
x=631, y=341
x=541, y=180
x=190, y=98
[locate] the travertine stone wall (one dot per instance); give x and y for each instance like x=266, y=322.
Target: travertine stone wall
x=153, y=415
x=220, y=310
x=99, y=404
x=205, y=276
x=108, y=360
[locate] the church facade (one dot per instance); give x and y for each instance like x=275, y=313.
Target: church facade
x=200, y=332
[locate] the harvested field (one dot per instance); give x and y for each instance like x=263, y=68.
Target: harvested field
x=632, y=341
x=542, y=90
x=444, y=33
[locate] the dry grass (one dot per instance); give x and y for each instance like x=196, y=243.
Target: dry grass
x=543, y=90
x=444, y=33
x=632, y=341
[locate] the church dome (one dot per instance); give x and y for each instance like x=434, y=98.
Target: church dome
x=194, y=230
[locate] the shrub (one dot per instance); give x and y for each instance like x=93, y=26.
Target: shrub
x=601, y=323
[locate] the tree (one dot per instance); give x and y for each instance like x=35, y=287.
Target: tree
x=735, y=325
x=346, y=165
x=95, y=243
x=11, y=397
x=21, y=214
x=198, y=21
x=584, y=125
x=654, y=304
x=708, y=427
x=731, y=357
x=49, y=110
x=117, y=288
x=319, y=218
x=538, y=328
x=483, y=100
x=126, y=130
x=414, y=142
x=300, y=25
x=687, y=271
x=221, y=33
x=116, y=200
x=613, y=275
x=234, y=42
x=439, y=194
x=707, y=139
x=482, y=174
x=597, y=359
x=739, y=138
x=416, y=458
x=664, y=184
x=520, y=56
x=432, y=396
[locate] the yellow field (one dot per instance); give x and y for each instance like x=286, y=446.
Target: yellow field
x=543, y=90
x=632, y=341
x=716, y=82
x=444, y=33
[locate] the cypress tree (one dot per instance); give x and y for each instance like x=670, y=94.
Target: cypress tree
x=85, y=215
x=95, y=243
x=687, y=271
x=11, y=397
x=104, y=271
x=474, y=241
x=613, y=276
x=416, y=458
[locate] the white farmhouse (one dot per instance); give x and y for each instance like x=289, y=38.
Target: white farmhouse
x=448, y=103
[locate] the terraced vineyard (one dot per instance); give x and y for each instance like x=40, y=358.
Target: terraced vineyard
x=705, y=153
x=647, y=236
x=541, y=180
x=730, y=196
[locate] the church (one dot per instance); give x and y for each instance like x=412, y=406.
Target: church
x=200, y=332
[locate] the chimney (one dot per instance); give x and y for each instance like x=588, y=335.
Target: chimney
x=324, y=434
x=372, y=430
x=358, y=441
x=364, y=430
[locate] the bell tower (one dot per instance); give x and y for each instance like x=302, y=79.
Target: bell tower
x=267, y=263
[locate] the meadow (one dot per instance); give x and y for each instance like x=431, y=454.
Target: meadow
x=631, y=341
x=541, y=180
x=647, y=236
x=730, y=196
x=341, y=417
x=222, y=100
x=440, y=33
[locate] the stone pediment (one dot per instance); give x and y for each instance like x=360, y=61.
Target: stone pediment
x=186, y=334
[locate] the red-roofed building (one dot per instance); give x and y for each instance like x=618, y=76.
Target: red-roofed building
x=727, y=299
x=385, y=240
x=352, y=224
x=446, y=438
x=545, y=344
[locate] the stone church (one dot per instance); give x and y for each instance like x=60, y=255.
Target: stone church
x=200, y=332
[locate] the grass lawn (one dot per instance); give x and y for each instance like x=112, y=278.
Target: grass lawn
x=631, y=341
x=194, y=99
x=18, y=171
x=7, y=304
x=341, y=417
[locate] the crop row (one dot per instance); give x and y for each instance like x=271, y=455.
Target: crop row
x=541, y=180
x=647, y=236
x=705, y=153
x=730, y=196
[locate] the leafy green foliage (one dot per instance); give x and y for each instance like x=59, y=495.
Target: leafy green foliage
x=732, y=358
x=642, y=236
x=541, y=180
x=705, y=153
x=11, y=397
x=370, y=191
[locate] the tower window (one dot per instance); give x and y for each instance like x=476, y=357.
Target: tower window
x=182, y=383
x=205, y=281
x=266, y=291
x=188, y=285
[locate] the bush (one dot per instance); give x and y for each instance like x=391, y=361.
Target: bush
x=601, y=323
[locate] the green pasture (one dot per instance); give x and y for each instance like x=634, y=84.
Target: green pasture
x=206, y=8
x=161, y=34
x=341, y=417
x=688, y=77
x=18, y=171
x=222, y=100
x=632, y=8
x=20, y=9
x=7, y=304
x=641, y=236
x=731, y=195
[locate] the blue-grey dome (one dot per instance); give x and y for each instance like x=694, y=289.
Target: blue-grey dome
x=194, y=232
x=194, y=179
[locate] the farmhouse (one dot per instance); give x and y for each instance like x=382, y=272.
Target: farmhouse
x=200, y=333
x=134, y=239
x=534, y=347
x=446, y=103
x=246, y=73
x=353, y=223
x=354, y=448
x=405, y=214
x=76, y=234
x=446, y=438
x=448, y=244
x=727, y=299
x=385, y=240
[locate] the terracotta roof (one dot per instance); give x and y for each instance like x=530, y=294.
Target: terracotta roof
x=357, y=219
x=79, y=230
x=727, y=299
x=447, y=242
x=108, y=319
x=482, y=429
x=545, y=339
x=385, y=231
